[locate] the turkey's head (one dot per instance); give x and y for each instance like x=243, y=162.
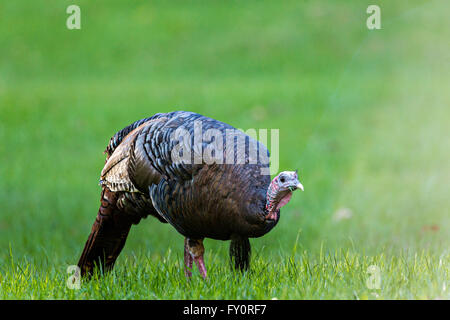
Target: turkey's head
x=280, y=192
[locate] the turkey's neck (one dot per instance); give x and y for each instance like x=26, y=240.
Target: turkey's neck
x=271, y=202
x=276, y=198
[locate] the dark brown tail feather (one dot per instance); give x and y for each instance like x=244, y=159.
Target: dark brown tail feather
x=107, y=238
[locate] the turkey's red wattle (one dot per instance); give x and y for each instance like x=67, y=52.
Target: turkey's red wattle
x=284, y=200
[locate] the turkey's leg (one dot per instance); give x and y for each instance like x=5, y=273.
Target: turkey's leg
x=240, y=253
x=187, y=259
x=195, y=250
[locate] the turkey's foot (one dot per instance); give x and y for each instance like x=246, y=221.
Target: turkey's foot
x=194, y=251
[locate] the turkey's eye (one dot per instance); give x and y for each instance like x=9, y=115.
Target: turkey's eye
x=282, y=179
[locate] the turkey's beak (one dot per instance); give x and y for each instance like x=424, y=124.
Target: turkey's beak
x=297, y=186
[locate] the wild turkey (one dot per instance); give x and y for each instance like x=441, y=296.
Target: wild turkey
x=229, y=199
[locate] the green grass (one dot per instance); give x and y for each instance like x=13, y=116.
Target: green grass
x=341, y=274
x=362, y=114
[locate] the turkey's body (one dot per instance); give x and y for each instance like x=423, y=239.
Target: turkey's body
x=199, y=198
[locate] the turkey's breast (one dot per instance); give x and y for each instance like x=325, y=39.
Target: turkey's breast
x=202, y=193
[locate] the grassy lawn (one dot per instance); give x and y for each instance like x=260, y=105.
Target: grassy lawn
x=363, y=115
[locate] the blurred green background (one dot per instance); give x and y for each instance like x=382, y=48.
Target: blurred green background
x=363, y=115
